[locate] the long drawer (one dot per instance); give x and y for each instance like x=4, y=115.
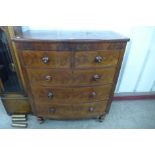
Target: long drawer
x=71, y=111
x=69, y=95
x=79, y=77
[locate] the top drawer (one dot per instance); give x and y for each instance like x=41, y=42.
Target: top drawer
x=51, y=59
x=96, y=59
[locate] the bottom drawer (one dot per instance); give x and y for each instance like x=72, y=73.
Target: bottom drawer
x=71, y=111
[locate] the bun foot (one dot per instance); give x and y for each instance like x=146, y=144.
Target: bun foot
x=101, y=118
x=40, y=119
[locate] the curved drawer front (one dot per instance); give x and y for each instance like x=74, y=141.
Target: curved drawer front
x=96, y=59
x=50, y=59
x=57, y=95
x=52, y=77
x=88, y=110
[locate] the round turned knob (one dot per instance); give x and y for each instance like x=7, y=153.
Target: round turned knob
x=93, y=94
x=17, y=37
x=45, y=59
x=52, y=110
x=50, y=95
x=48, y=77
x=96, y=77
x=98, y=59
x=91, y=109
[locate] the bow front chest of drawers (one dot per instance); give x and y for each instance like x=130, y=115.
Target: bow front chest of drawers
x=70, y=75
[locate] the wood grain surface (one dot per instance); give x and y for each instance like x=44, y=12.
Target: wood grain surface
x=72, y=111
x=60, y=73
x=70, y=95
x=87, y=59
x=78, y=77
x=55, y=59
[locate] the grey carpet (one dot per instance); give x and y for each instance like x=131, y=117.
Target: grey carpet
x=123, y=115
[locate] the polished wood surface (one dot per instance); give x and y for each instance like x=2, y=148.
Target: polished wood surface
x=70, y=95
x=88, y=59
x=70, y=78
x=47, y=59
x=16, y=104
x=65, y=36
x=72, y=111
x=68, y=46
x=64, y=59
x=78, y=77
x=65, y=74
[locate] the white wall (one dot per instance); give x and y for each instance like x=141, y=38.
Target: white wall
x=138, y=69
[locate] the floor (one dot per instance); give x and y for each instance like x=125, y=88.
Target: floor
x=123, y=115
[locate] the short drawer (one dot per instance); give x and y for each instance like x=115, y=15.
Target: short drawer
x=50, y=59
x=80, y=77
x=69, y=111
x=68, y=95
x=96, y=59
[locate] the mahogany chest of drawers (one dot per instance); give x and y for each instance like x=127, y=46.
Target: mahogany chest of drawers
x=70, y=75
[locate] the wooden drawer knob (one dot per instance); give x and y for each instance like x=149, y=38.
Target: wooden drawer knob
x=45, y=59
x=96, y=77
x=52, y=110
x=98, y=59
x=50, y=95
x=48, y=77
x=93, y=94
x=91, y=109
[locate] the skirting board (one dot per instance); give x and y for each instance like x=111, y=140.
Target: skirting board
x=134, y=96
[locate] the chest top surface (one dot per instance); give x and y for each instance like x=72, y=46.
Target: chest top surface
x=69, y=36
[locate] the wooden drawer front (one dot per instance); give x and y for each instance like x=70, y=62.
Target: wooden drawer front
x=50, y=76
x=49, y=59
x=49, y=95
x=96, y=59
x=89, y=110
x=93, y=76
x=67, y=77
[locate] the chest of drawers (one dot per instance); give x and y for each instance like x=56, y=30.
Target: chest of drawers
x=70, y=75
